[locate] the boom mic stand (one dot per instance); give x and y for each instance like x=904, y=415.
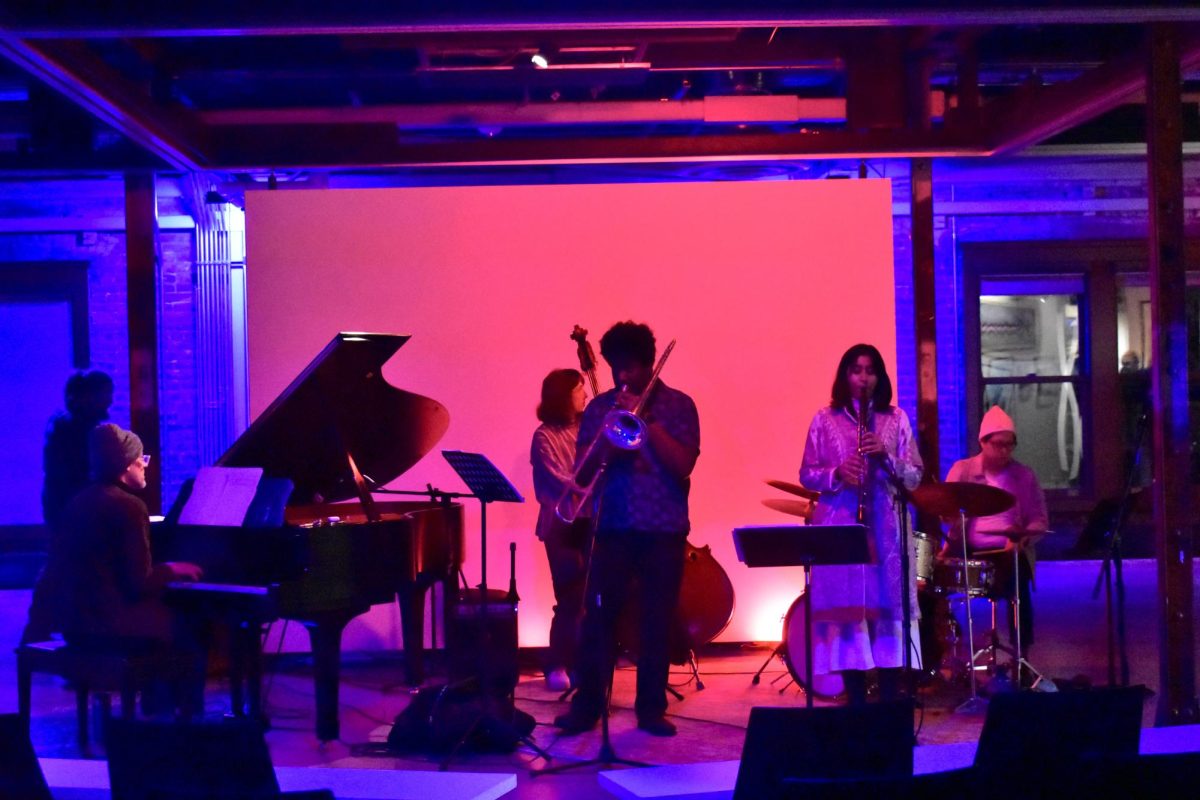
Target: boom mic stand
x=902, y=499
x=1111, y=569
x=607, y=756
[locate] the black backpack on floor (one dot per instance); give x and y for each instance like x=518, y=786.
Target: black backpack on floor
x=440, y=717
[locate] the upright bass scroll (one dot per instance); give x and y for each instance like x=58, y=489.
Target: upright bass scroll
x=587, y=357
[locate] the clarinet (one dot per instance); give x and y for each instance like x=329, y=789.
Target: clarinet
x=863, y=487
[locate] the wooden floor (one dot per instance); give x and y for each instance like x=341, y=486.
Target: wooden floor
x=1071, y=648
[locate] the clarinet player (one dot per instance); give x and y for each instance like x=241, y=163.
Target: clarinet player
x=852, y=445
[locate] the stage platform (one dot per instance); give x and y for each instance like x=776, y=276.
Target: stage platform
x=715, y=780
x=1070, y=649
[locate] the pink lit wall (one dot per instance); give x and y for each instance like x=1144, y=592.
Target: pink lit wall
x=764, y=284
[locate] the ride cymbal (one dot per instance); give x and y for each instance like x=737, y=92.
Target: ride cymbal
x=794, y=488
x=954, y=497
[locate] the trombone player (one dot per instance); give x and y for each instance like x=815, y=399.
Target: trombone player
x=640, y=508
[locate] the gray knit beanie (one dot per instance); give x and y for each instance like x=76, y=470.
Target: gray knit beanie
x=112, y=450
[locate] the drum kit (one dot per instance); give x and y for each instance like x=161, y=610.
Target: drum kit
x=953, y=578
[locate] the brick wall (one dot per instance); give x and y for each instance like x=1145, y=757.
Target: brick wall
x=83, y=221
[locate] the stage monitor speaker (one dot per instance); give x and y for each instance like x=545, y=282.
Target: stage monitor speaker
x=1169, y=776
x=21, y=775
x=1064, y=742
x=166, y=759
x=1061, y=727
x=788, y=748
x=482, y=642
x=160, y=760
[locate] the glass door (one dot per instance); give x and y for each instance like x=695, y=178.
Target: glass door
x=1032, y=365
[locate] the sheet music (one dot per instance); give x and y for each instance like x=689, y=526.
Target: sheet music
x=221, y=496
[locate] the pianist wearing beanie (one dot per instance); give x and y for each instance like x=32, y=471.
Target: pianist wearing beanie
x=111, y=590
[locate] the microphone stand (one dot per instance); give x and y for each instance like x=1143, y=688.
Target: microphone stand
x=1111, y=569
x=430, y=491
x=607, y=756
x=902, y=499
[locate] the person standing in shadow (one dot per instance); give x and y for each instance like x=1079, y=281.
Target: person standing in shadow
x=87, y=396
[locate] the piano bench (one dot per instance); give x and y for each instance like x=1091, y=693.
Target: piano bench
x=87, y=670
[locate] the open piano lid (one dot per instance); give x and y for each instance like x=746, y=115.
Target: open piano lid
x=341, y=405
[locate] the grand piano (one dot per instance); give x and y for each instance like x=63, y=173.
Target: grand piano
x=337, y=430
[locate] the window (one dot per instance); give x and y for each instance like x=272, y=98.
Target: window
x=1030, y=360
x=1135, y=359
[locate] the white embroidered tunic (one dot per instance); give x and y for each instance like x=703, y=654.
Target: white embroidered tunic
x=857, y=610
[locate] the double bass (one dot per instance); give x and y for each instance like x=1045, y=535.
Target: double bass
x=706, y=594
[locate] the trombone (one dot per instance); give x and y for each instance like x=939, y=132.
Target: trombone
x=621, y=429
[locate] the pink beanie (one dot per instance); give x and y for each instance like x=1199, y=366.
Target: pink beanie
x=996, y=421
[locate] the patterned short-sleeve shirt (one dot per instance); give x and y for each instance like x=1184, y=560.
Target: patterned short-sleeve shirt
x=638, y=492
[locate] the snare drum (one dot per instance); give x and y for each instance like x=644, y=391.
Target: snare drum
x=923, y=552
x=954, y=575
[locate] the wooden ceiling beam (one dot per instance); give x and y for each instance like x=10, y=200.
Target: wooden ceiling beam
x=727, y=109
x=244, y=148
x=71, y=69
x=1028, y=117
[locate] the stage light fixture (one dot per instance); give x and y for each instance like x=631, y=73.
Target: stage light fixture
x=539, y=60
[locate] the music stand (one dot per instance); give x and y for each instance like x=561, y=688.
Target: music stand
x=803, y=546
x=487, y=485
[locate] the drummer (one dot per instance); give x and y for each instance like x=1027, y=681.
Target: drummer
x=992, y=537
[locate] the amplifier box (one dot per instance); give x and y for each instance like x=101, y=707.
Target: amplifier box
x=481, y=640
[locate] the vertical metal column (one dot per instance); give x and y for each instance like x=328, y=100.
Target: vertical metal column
x=141, y=253
x=925, y=312
x=213, y=343
x=214, y=328
x=1169, y=372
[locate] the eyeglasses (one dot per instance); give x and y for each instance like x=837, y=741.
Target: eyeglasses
x=145, y=458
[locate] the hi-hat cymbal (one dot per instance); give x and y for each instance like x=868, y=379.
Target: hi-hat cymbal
x=797, y=508
x=794, y=488
x=954, y=497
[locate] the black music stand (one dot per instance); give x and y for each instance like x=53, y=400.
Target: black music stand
x=803, y=546
x=487, y=485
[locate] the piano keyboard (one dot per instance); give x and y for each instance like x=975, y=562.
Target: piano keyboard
x=223, y=588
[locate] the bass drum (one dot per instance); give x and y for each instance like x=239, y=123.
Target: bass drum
x=827, y=686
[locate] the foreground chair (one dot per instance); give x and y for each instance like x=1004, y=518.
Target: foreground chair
x=100, y=671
